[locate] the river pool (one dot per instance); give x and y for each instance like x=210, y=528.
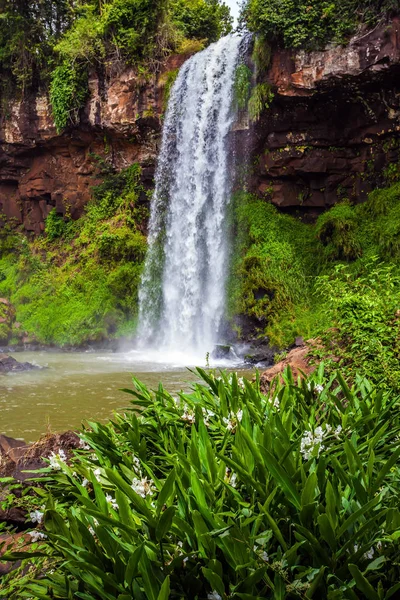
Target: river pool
x=77, y=386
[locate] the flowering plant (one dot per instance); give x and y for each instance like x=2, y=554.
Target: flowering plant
x=289, y=495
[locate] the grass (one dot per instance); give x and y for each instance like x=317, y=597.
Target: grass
x=78, y=284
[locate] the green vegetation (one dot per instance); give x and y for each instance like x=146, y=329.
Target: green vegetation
x=300, y=23
x=79, y=283
x=224, y=493
x=260, y=99
x=54, y=44
x=338, y=279
x=242, y=85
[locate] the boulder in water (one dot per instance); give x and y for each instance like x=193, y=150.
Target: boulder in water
x=222, y=351
x=8, y=364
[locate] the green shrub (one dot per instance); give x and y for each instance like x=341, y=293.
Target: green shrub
x=337, y=231
x=300, y=23
x=55, y=225
x=79, y=284
x=260, y=99
x=201, y=19
x=365, y=305
x=273, y=262
x=225, y=493
x=242, y=85
x=68, y=93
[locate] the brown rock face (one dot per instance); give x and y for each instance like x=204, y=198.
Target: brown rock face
x=333, y=127
x=297, y=359
x=41, y=170
x=331, y=132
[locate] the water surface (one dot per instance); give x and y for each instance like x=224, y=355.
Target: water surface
x=77, y=386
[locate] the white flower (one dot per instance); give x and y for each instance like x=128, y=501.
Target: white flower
x=188, y=415
x=91, y=530
x=338, y=431
x=241, y=382
x=370, y=554
x=233, y=420
x=214, y=596
x=56, y=459
x=143, y=487
x=136, y=462
x=379, y=545
x=319, y=388
x=37, y=535
x=112, y=501
x=85, y=482
x=311, y=442
x=276, y=402
x=83, y=445
x=230, y=478
x=265, y=557
x=97, y=473
x=208, y=414
x=36, y=516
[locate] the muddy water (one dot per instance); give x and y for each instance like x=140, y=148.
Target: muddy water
x=74, y=387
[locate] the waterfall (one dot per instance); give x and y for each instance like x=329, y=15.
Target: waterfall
x=182, y=294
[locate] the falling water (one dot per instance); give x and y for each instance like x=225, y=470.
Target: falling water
x=182, y=296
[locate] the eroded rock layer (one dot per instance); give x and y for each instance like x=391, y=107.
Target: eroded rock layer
x=331, y=132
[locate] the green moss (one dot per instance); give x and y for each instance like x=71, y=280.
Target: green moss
x=337, y=231
x=79, y=283
x=260, y=99
x=272, y=263
x=169, y=79
x=242, y=85
x=278, y=262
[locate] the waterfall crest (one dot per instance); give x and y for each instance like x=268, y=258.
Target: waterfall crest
x=182, y=294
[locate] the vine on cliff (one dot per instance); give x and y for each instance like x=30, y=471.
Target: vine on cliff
x=68, y=92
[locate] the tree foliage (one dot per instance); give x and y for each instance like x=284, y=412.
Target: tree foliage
x=56, y=42
x=301, y=23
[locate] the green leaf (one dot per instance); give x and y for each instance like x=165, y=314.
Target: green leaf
x=214, y=580
x=362, y=583
x=282, y=478
x=164, y=524
x=166, y=491
x=165, y=589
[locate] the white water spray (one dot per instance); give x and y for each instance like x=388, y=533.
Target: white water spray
x=182, y=296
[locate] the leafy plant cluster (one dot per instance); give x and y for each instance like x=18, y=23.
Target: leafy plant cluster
x=337, y=278
x=46, y=42
x=79, y=283
x=310, y=25
x=365, y=312
x=225, y=493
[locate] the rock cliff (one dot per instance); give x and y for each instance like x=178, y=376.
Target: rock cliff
x=332, y=131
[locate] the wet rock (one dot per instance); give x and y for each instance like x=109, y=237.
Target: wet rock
x=222, y=352
x=297, y=359
x=18, y=460
x=8, y=364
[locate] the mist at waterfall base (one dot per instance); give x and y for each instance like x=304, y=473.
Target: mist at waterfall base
x=182, y=295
